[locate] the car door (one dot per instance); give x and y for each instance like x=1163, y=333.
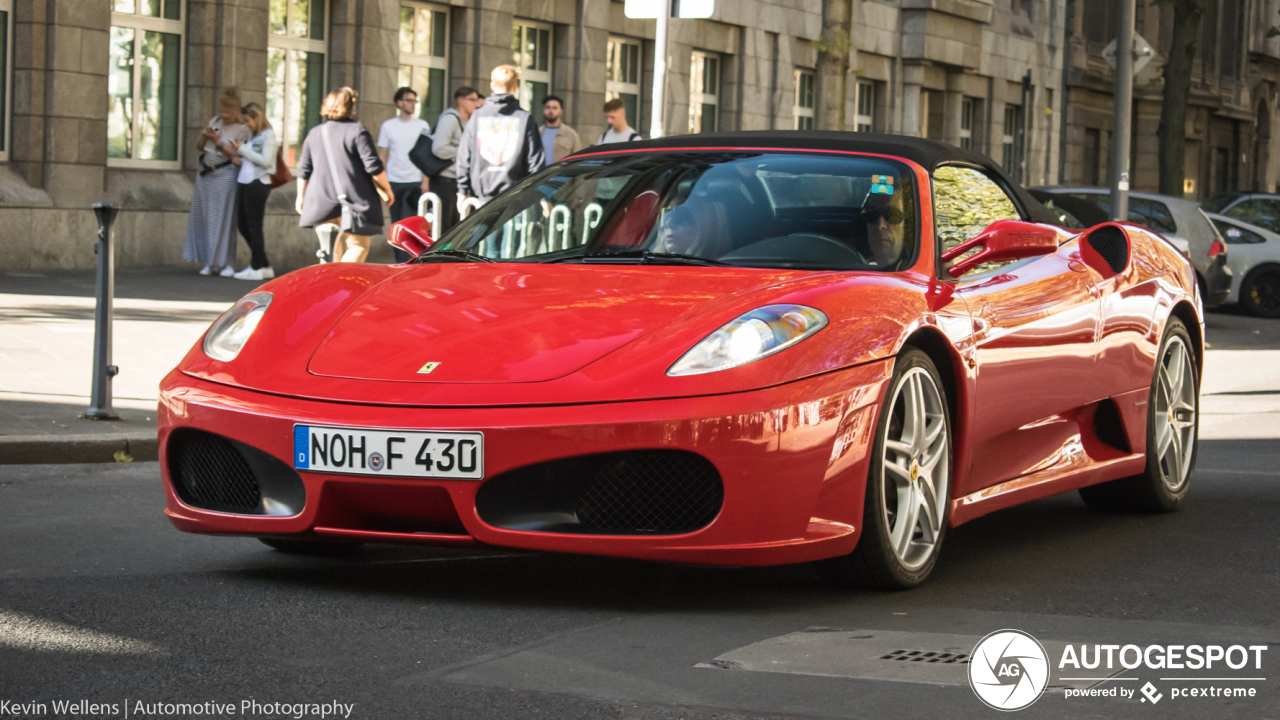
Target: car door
x=1035, y=325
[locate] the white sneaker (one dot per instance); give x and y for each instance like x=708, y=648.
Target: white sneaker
x=267, y=272
x=206, y=270
x=249, y=274
x=227, y=271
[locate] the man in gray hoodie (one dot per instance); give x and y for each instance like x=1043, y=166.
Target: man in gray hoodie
x=444, y=145
x=501, y=144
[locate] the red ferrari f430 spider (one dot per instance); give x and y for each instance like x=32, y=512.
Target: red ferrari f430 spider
x=734, y=349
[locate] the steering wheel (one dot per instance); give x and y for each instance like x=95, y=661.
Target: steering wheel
x=832, y=241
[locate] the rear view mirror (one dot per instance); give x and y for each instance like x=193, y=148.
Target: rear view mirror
x=1002, y=241
x=412, y=235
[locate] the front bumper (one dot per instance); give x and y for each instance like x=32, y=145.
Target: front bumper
x=793, y=460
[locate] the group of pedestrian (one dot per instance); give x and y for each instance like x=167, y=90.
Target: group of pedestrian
x=482, y=147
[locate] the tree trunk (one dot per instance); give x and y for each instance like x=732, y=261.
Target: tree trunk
x=831, y=83
x=1172, y=133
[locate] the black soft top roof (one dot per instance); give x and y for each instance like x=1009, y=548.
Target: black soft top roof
x=929, y=154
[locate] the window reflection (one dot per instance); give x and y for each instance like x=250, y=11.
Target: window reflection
x=966, y=201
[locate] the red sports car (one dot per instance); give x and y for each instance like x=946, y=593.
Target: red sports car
x=734, y=349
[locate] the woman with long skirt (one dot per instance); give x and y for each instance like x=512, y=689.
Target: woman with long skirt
x=210, y=236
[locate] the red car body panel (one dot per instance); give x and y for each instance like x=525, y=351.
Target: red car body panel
x=555, y=361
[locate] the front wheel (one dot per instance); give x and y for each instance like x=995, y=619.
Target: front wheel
x=908, y=486
x=1173, y=422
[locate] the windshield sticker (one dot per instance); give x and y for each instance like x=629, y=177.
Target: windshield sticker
x=881, y=184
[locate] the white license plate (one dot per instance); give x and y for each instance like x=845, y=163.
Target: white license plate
x=398, y=453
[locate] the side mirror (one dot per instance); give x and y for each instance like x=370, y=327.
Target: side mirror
x=412, y=235
x=1002, y=241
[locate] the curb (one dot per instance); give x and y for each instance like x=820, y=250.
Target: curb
x=46, y=449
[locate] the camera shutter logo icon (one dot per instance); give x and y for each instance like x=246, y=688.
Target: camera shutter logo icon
x=1008, y=670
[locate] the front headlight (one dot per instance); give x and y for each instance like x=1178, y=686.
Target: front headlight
x=230, y=332
x=758, y=334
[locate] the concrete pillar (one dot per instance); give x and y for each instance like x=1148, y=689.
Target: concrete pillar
x=226, y=46
x=913, y=110
x=60, y=98
x=364, y=53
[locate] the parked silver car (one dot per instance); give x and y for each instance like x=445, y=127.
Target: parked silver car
x=1255, y=266
x=1180, y=221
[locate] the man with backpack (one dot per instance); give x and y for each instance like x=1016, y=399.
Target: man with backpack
x=615, y=114
x=501, y=144
x=444, y=144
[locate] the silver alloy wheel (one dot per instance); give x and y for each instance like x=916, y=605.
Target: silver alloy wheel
x=1175, y=413
x=916, y=468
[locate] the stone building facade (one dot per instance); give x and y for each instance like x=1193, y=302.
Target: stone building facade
x=104, y=98
x=1231, y=121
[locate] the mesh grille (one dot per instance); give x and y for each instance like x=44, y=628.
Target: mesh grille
x=652, y=491
x=1111, y=244
x=927, y=656
x=209, y=473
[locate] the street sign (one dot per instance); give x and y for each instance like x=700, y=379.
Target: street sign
x=1142, y=53
x=684, y=9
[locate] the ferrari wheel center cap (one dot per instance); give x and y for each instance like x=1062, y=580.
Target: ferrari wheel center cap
x=915, y=470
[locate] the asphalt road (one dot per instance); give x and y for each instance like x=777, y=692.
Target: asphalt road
x=102, y=600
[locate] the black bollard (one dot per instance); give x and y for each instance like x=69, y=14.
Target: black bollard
x=103, y=370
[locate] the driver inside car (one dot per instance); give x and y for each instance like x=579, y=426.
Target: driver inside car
x=884, y=230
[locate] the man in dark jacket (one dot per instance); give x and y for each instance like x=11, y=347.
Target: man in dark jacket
x=501, y=145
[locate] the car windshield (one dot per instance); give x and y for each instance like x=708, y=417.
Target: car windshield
x=747, y=209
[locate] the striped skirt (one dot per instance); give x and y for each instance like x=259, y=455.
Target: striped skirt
x=211, y=225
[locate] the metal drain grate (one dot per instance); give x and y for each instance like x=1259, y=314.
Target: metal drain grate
x=927, y=656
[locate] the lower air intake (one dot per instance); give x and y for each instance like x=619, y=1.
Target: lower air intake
x=211, y=472
x=659, y=491
x=637, y=492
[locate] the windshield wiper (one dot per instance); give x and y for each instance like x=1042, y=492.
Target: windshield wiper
x=451, y=255
x=648, y=257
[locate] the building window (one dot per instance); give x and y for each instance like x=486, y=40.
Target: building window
x=866, y=106
x=803, y=108
x=295, y=70
x=531, y=52
x=424, y=58
x=966, y=123
x=144, y=83
x=1011, y=160
x=623, y=77
x=704, y=92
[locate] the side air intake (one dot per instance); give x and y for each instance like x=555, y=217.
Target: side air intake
x=1107, y=250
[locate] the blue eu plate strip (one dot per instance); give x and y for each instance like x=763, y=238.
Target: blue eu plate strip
x=301, y=453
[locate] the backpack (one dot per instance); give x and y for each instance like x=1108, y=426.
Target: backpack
x=630, y=138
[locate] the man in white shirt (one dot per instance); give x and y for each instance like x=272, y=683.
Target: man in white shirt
x=615, y=114
x=396, y=138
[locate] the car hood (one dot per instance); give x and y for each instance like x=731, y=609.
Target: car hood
x=463, y=323
x=532, y=334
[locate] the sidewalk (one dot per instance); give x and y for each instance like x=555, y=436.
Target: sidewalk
x=46, y=350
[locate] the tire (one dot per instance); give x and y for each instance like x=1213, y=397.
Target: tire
x=890, y=555
x=1260, y=292
x=297, y=546
x=1173, y=430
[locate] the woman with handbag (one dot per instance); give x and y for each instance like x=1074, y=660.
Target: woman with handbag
x=257, y=160
x=211, y=224
x=341, y=179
